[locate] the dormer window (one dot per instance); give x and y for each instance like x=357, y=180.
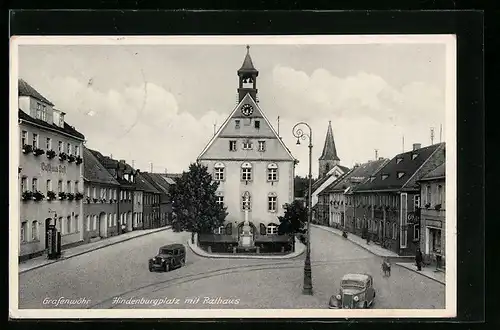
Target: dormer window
x=385, y=176
x=257, y=124
x=400, y=174
x=237, y=124
x=61, y=120
x=399, y=160
x=413, y=156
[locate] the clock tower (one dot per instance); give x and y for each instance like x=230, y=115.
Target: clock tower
x=247, y=75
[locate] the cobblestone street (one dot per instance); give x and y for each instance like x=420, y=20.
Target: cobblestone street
x=121, y=271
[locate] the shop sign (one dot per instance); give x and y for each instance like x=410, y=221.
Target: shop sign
x=53, y=168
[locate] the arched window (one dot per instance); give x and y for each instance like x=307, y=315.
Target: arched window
x=219, y=171
x=246, y=201
x=219, y=231
x=246, y=172
x=272, y=229
x=272, y=202
x=34, y=231
x=272, y=172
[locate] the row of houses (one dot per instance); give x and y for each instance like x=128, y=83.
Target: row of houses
x=398, y=203
x=86, y=195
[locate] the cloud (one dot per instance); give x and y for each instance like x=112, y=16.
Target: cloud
x=140, y=123
x=355, y=96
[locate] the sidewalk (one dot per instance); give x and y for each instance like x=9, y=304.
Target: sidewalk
x=299, y=249
x=42, y=261
x=373, y=248
x=429, y=272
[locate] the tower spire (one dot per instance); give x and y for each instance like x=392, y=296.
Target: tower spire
x=329, y=157
x=329, y=149
x=247, y=78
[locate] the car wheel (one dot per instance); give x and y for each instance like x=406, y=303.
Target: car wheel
x=150, y=268
x=166, y=267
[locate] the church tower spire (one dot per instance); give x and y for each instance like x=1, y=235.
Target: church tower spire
x=328, y=158
x=247, y=78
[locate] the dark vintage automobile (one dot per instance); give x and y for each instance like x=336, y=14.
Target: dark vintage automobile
x=169, y=257
x=356, y=291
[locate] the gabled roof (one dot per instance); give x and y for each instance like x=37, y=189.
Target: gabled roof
x=144, y=185
x=247, y=65
x=25, y=89
x=94, y=171
x=329, y=149
x=258, y=111
x=320, y=181
x=112, y=165
x=67, y=129
x=157, y=181
x=436, y=174
x=357, y=175
x=407, y=164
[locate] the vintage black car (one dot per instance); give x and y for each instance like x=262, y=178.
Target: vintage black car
x=169, y=257
x=356, y=291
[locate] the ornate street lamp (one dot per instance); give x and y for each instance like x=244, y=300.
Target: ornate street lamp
x=299, y=134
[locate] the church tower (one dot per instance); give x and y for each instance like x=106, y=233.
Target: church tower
x=329, y=157
x=248, y=78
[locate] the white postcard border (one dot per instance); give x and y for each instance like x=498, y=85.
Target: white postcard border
x=451, y=178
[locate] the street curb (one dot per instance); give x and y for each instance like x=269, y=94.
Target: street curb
x=363, y=247
x=242, y=256
x=88, y=251
x=423, y=274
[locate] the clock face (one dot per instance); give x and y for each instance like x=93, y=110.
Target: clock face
x=247, y=109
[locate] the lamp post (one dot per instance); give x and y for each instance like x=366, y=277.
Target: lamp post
x=300, y=134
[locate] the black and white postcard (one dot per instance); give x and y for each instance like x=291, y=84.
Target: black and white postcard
x=233, y=176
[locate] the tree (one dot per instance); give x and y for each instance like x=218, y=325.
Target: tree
x=294, y=219
x=194, y=202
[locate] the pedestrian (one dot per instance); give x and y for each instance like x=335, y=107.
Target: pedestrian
x=386, y=267
x=419, y=259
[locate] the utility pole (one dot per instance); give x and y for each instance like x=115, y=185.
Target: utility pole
x=151, y=165
x=215, y=125
x=133, y=164
x=376, y=154
x=440, y=132
x=278, y=126
x=403, y=143
x=432, y=135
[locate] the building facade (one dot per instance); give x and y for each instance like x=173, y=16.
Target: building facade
x=329, y=171
x=162, y=182
x=137, y=207
x=433, y=215
x=338, y=193
x=100, y=206
x=50, y=174
x=254, y=168
x=150, y=202
x=387, y=205
x=125, y=175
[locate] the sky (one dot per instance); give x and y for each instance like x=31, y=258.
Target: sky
x=156, y=105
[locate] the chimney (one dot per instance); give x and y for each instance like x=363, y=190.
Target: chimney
x=381, y=158
x=122, y=161
x=416, y=146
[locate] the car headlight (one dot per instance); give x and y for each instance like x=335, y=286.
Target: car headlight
x=356, y=299
x=338, y=297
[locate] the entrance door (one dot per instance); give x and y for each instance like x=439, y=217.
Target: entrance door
x=129, y=221
x=47, y=224
x=102, y=224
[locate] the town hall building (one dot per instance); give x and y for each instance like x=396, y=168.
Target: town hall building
x=253, y=166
